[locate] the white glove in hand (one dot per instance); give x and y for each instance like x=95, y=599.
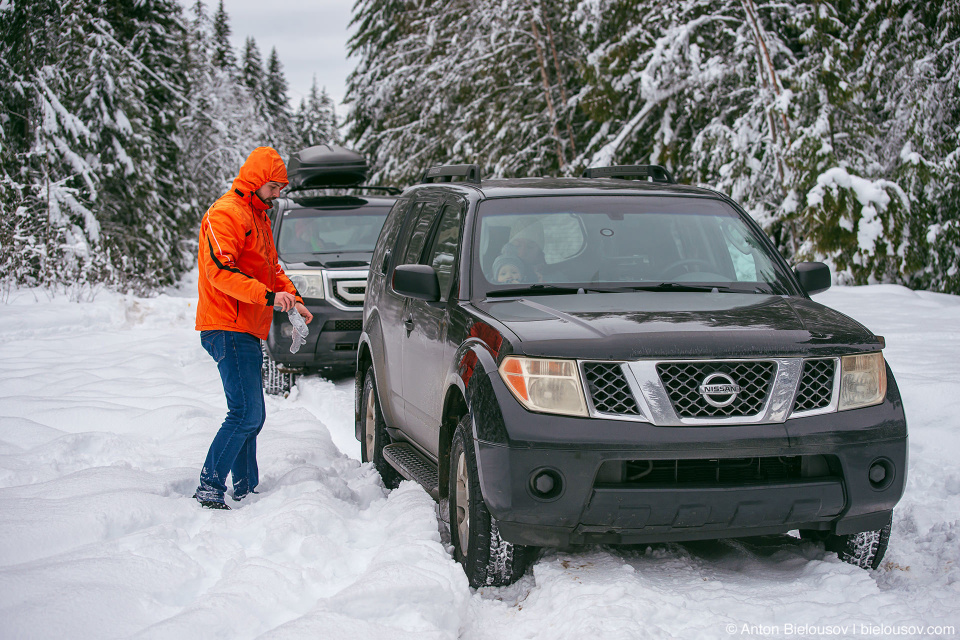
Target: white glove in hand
x=300, y=329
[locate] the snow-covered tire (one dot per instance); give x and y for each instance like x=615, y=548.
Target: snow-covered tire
x=373, y=429
x=487, y=559
x=275, y=382
x=865, y=549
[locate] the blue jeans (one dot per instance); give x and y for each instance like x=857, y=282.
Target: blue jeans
x=234, y=448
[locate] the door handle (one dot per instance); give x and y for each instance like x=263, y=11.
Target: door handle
x=408, y=323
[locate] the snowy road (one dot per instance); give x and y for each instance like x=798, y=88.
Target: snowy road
x=106, y=410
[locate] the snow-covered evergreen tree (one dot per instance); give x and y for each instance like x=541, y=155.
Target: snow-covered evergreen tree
x=281, y=133
x=224, y=123
x=912, y=65
x=51, y=233
x=316, y=118
x=120, y=124
x=835, y=124
x=223, y=56
x=254, y=78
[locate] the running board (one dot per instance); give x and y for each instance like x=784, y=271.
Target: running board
x=413, y=466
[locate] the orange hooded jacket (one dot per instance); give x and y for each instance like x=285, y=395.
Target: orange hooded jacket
x=239, y=271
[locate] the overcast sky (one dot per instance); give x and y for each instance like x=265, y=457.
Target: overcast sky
x=310, y=37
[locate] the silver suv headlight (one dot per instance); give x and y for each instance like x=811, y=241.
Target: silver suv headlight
x=308, y=283
x=550, y=386
x=863, y=380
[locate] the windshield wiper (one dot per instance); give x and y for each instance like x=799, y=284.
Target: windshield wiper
x=533, y=288
x=683, y=287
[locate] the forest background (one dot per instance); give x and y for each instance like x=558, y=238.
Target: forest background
x=121, y=122
x=835, y=123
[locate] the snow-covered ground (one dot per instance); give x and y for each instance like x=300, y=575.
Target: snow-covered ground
x=107, y=408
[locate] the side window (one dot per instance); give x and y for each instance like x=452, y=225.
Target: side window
x=409, y=222
x=389, y=234
x=445, y=246
x=414, y=249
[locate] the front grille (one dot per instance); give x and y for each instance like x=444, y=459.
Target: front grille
x=682, y=381
x=816, y=384
x=609, y=389
x=343, y=325
x=358, y=290
x=724, y=471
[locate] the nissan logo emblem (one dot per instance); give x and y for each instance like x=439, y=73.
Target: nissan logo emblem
x=719, y=390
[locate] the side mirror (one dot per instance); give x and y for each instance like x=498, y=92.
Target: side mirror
x=416, y=281
x=814, y=277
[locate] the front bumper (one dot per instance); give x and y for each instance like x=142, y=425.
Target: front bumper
x=334, y=334
x=590, y=509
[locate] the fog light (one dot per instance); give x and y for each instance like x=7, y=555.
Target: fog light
x=877, y=473
x=880, y=474
x=545, y=484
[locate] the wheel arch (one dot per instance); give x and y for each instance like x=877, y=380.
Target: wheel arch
x=462, y=397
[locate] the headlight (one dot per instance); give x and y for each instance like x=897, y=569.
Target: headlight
x=863, y=380
x=550, y=386
x=308, y=283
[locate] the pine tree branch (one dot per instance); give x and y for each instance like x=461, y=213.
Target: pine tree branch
x=143, y=67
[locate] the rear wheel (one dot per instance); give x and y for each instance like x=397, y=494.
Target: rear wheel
x=374, y=433
x=275, y=382
x=487, y=559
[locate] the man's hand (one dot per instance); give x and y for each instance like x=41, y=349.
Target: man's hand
x=284, y=300
x=302, y=310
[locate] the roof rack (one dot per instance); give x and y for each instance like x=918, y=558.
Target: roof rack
x=393, y=191
x=469, y=173
x=653, y=171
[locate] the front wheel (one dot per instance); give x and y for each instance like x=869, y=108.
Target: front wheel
x=864, y=549
x=487, y=559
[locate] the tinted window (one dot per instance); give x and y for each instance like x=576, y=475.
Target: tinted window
x=389, y=233
x=622, y=240
x=444, y=248
x=421, y=229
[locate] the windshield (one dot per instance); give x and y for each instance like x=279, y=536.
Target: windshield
x=311, y=231
x=621, y=243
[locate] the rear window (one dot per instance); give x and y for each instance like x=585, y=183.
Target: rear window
x=315, y=231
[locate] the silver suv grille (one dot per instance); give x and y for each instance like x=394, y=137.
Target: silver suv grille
x=682, y=381
x=349, y=292
x=609, y=389
x=816, y=384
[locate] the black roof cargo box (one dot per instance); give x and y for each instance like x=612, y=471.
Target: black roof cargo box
x=326, y=165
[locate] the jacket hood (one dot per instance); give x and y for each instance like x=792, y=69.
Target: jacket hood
x=631, y=326
x=263, y=165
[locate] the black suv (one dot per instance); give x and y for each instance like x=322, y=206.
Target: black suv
x=325, y=230
x=604, y=360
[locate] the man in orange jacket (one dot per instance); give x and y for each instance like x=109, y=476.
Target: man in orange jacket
x=240, y=282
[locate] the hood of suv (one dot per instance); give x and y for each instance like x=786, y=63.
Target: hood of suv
x=630, y=326
x=351, y=260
